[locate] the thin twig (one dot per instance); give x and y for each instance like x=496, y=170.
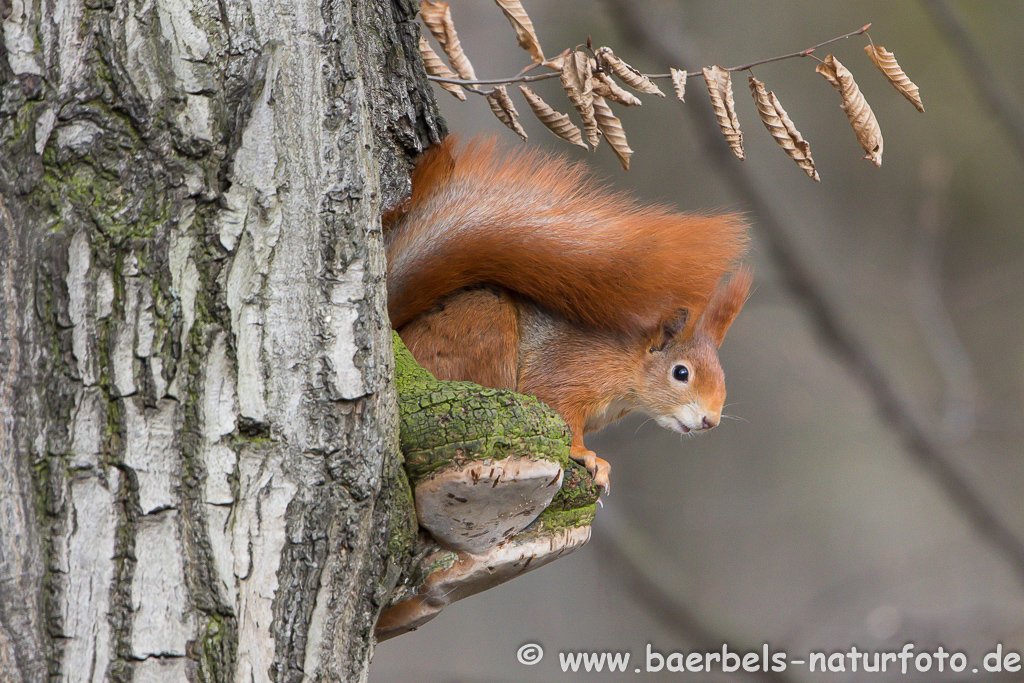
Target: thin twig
x=990, y=89
x=801, y=53
x=494, y=81
x=796, y=274
x=522, y=78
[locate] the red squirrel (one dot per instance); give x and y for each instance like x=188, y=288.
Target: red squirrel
x=519, y=272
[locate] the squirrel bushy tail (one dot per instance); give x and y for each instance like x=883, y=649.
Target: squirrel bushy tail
x=539, y=226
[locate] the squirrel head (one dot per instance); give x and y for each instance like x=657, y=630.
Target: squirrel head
x=684, y=386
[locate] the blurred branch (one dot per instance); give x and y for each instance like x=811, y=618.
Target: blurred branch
x=993, y=94
x=649, y=35
x=952, y=362
x=643, y=564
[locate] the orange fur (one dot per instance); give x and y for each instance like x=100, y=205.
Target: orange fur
x=470, y=336
x=536, y=225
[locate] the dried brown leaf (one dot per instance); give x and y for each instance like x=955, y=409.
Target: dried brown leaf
x=886, y=63
x=720, y=88
x=679, y=83
x=556, y=63
x=501, y=105
x=782, y=129
x=520, y=21
x=611, y=127
x=604, y=86
x=437, y=17
x=558, y=123
x=607, y=60
x=436, y=67
x=856, y=107
x=577, y=85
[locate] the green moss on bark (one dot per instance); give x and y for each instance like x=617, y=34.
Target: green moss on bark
x=453, y=423
x=403, y=527
x=445, y=423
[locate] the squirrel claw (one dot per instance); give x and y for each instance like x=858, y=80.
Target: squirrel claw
x=597, y=467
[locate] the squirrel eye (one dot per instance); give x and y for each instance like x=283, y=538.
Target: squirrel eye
x=681, y=373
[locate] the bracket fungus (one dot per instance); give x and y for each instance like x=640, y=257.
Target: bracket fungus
x=496, y=493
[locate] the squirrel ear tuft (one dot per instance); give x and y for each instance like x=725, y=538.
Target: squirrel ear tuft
x=725, y=305
x=672, y=328
x=677, y=324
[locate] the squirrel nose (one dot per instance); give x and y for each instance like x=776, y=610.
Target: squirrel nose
x=707, y=424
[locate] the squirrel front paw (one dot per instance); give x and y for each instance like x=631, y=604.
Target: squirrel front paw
x=597, y=467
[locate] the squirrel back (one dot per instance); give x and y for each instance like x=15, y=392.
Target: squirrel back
x=538, y=226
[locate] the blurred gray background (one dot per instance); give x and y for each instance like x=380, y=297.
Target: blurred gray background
x=807, y=522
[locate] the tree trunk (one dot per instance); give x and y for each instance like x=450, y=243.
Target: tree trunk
x=199, y=476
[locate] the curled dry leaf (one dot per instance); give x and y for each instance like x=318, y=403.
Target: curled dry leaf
x=607, y=60
x=520, y=21
x=611, y=127
x=720, y=88
x=556, y=63
x=886, y=63
x=604, y=86
x=436, y=67
x=856, y=107
x=438, y=18
x=679, y=82
x=557, y=122
x=501, y=105
x=577, y=85
x=782, y=129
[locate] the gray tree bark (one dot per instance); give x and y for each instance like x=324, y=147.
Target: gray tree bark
x=199, y=476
